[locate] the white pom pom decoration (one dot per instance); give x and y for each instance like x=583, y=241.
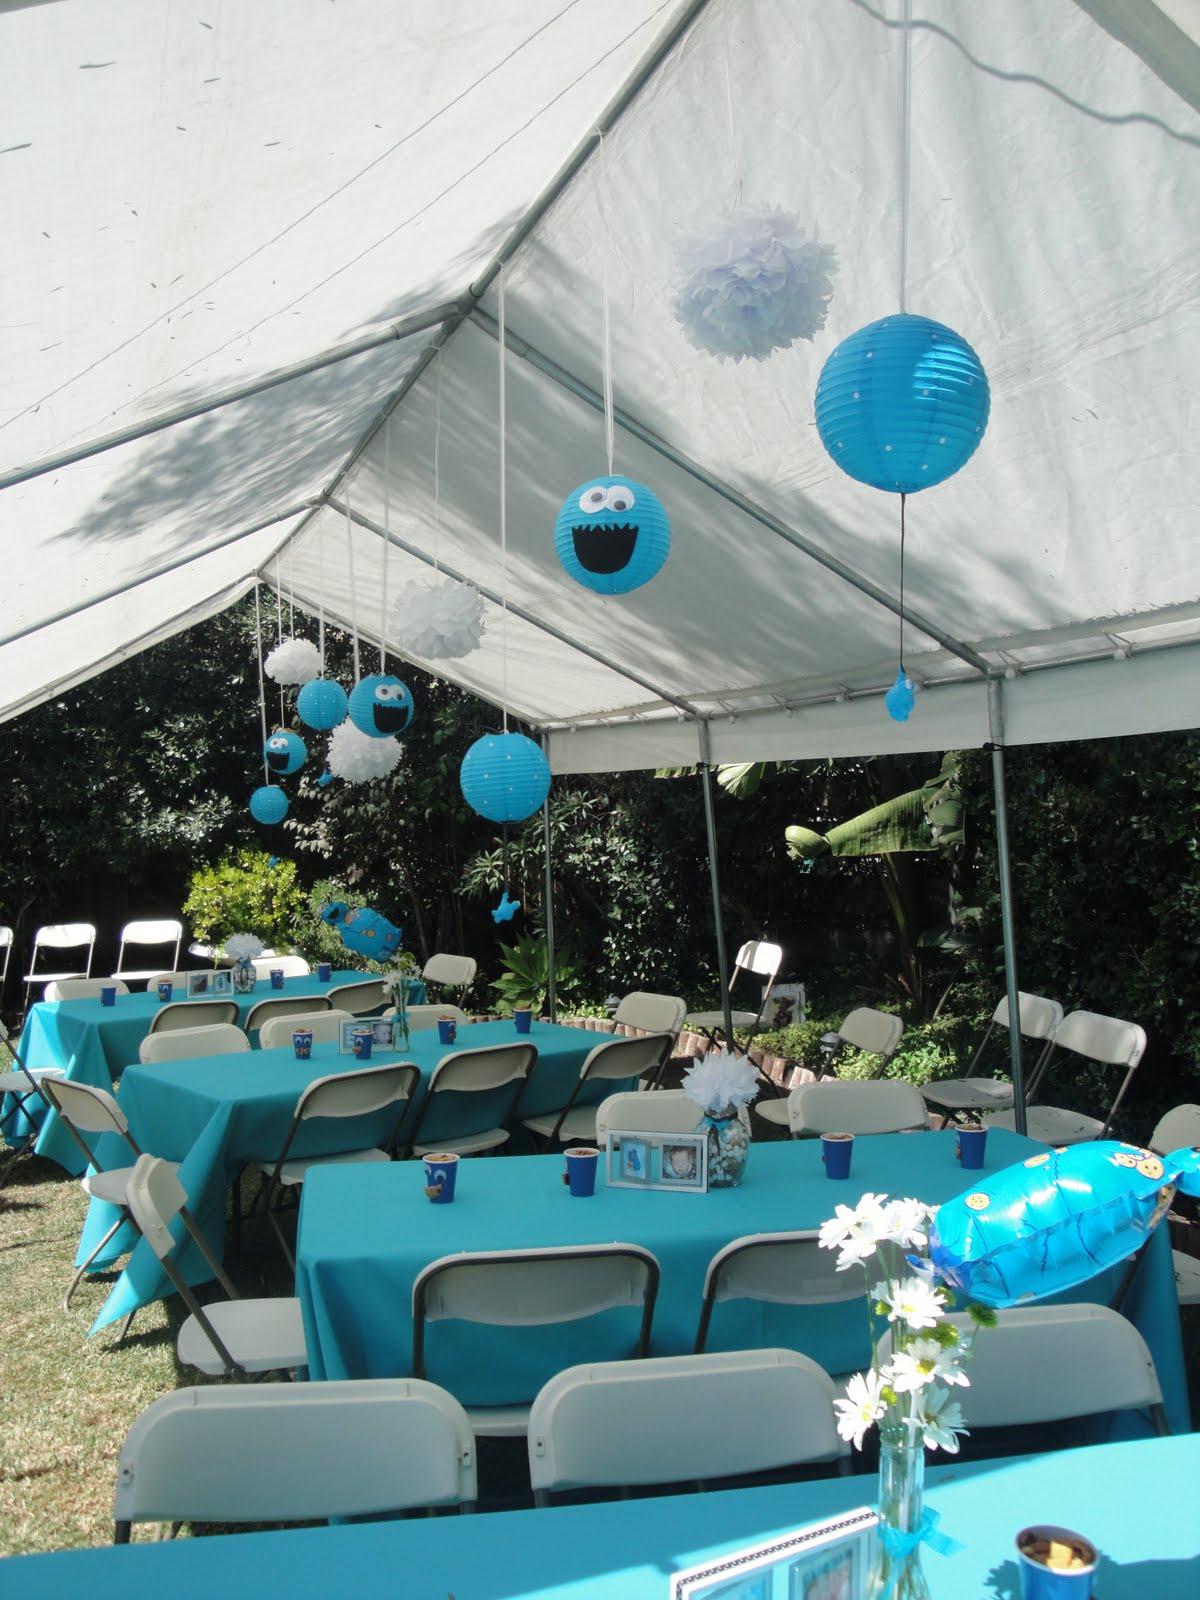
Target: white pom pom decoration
x=358, y=758
x=293, y=661
x=752, y=283
x=438, y=621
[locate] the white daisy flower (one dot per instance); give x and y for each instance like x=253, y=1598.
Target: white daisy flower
x=939, y=1421
x=909, y=1223
x=913, y=1301
x=860, y=1408
x=856, y=1233
x=923, y=1363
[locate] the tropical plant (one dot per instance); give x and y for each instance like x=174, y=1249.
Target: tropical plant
x=525, y=977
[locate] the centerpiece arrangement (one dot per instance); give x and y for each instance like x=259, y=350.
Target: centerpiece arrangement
x=723, y=1084
x=395, y=986
x=242, y=949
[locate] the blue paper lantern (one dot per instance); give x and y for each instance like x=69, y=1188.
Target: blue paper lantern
x=381, y=706
x=268, y=804
x=902, y=404
x=612, y=535
x=321, y=704
x=285, y=752
x=504, y=777
x=900, y=698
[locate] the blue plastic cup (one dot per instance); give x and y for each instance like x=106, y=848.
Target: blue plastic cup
x=324, y=972
x=277, y=977
x=836, y=1151
x=302, y=1043
x=581, y=1170
x=447, y=1030
x=523, y=1017
x=441, y=1174
x=363, y=1043
x=108, y=994
x=972, y=1141
x=165, y=991
x=1040, y=1582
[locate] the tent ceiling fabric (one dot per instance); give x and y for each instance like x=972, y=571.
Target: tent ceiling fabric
x=1051, y=221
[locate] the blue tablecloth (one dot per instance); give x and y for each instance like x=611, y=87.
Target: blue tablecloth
x=217, y=1113
x=94, y=1043
x=1133, y=1500
x=365, y=1232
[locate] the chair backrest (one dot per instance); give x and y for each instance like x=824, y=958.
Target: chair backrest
x=6, y=949
x=325, y=1026
x=848, y=1105
x=64, y=936
x=761, y=958
x=177, y=980
x=1048, y=1363
x=1180, y=1126
x=192, y=1014
x=664, y=1111
x=358, y=1093
x=456, y=972
x=878, y=1032
x=295, y=1005
x=86, y=1107
x=291, y=1452
x=421, y=1018
x=478, y=1071
x=654, y=1013
x=1039, y=1016
x=617, y=1059
x=1104, y=1039
x=166, y=931
x=785, y=1269
x=186, y=1044
x=359, y=998
x=83, y=988
x=624, y=1422
x=290, y=966
x=155, y=1197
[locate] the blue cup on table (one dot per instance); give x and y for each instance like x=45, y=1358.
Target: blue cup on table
x=836, y=1151
x=324, y=972
x=441, y=1174
x=302, y=1043
x=364, y=1040
x=971, y=1144
x=108, y=994
x=1043, y=1544
x=165, y=991
x=447, y=1030
x=523, y=1017
x=580, y=1175
x=277, y=977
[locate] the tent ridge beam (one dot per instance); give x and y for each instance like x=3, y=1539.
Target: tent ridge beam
x=639, y=430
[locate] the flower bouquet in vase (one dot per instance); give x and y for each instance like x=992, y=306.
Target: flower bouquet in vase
x=242, y=949
x=395, y=986
x=722, y=1085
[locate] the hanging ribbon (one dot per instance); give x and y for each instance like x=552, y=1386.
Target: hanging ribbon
x=387, y=539
x=262, y=690
x=353, y=590
x=900, y=1546
x=610, y=432
x=279, y=629
x=503, y=325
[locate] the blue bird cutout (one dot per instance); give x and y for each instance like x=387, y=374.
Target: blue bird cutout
x=325, y=779
x=900, y=698
x=506, y=910
x=272, y=861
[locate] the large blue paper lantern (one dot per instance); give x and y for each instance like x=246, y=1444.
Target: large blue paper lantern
x=612, y=535
x=285, y=752
x=381, y=706
x=504, y=777
x=321, y=704
x=268, y=804
x=902, y=404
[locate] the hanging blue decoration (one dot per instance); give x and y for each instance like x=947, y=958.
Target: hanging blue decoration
x=325, y=779
x=504, y=777
x=612, y=535
x=506, y=910
x=268, y=804
x=321, y=704
x=285, y=752
x=901, y=697
x=366, y=932
x=902, y=404
x=381, y=706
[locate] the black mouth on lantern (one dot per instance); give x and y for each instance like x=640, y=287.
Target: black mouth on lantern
x=606, y=548
x=277, y=760
x=391, y=719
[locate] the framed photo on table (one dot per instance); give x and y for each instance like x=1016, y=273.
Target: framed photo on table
x=825, y=1561
x=638, y=1160
x=207, y=985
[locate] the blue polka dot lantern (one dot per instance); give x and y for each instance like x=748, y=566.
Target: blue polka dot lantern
x=902, y=404
x=268, y=804
x=284, y=752
x=321, y=704
x=612, y=535
x=504, y=777
x=381, y=706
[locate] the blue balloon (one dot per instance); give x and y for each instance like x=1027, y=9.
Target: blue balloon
x=900, y=698
x=504, y=777
x=268, y=804
x=612, y=535
x=321, y=704
x=1055, y=1220
x=364, y=931
x=506, y=910
x=381, y=706
x=902, y=404
x=285, y=752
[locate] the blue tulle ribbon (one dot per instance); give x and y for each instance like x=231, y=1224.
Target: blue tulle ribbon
x=900, y=1545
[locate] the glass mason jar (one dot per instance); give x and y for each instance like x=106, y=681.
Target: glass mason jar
x=728, y=1148
x=244, y=977
x=896, y=1573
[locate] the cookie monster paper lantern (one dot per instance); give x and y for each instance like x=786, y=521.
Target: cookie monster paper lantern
x=321, y=704
x=268, y=804
x=902, y=404
x=285, y=752
x=381, y=706
x=504, y=777
x=612, y=535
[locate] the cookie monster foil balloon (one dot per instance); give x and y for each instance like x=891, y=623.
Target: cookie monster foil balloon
x=381, y=706
x=1056, y=1219
x=612, y=535
x=364, y=931
x=285, y=752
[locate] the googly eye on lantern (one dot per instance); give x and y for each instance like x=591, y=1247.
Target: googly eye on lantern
x=620, y=498
x=593, y=499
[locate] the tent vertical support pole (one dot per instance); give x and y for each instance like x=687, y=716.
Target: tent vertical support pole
x=1007, y=923
x=710, y=826
x=548, y=906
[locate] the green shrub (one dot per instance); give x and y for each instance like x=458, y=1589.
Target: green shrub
x=525, y=977
x=245, y=893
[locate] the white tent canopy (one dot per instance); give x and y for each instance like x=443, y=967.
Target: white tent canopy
x=201, y=200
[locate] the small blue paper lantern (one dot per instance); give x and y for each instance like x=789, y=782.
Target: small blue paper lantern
x=285, y=752
x=381, y=706
x=321, y=704
x=902, y=404
x=901, y=697
x=268, y=804
x=612, y=535
x=504, y=777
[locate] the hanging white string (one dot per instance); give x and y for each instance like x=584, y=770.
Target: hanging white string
x=291, y=585
x=262, y=690
x=353, y=588
x=387, y=539
x=279, y=628
x=726, y=14
x=601, y=186
x=905, y=143
x=321, y=601
x=503, y=499
x=437, y=462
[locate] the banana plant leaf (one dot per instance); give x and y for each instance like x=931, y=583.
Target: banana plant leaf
x=924, y=819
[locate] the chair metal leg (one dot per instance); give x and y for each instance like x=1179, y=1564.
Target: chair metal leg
x=65, y=1304
x=126, y=1325
x=283, y=1244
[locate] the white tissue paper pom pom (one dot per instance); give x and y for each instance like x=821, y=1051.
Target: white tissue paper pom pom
x=243, y=946
x=293, y=661
x=721, y=1079
x=438, y=621
x=752, y=283
x=357, y=757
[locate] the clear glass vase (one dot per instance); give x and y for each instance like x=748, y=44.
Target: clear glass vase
x=728, y=1149
x=896, y=1573
x=244, y=977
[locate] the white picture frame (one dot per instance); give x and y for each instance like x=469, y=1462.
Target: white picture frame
x=210, y=985
x=676, y=1162
x=827, y=1560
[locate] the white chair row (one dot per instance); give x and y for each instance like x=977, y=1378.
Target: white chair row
x=80, y=937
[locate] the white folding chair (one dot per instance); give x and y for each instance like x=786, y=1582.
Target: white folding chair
x=325, y=1027
x=177, y=980
x=451, y=972
x=148, y=934
x=783, y=1269
x=60, y=936
x=81, y=988
x=953, y=1097
x=652, y=1013
x=190, y=1044
x=875, y=1032
x=290, y=966
x=295, y=1005
x=192, y=1014
x=617, y=1423
x=26, y=1083
x=359, y=999
x=664, y=1111
x=294, y=1452
x=6, y=950
x=531, y=1288
x=761, y=959
x=848, y=1105
x=616, y=1061
x=422, y=1018
x=1180, y=1126
x=1105, y=1040
x=229, y=1338
x=468, y=1072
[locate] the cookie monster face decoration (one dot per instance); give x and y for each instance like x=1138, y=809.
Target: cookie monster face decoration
x=612, y=535
x=381, y=706
x=285, y=752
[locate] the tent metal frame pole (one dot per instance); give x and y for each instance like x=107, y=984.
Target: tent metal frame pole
x=714, y=874
x=639, y=430
x=548, y=906
x=1007, y=921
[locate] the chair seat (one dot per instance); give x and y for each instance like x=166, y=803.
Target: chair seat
x=296, y=1171
x=51, y=977
x=470, y=1144
x=18, y=1083
x=1187, y=1278
x=110, y=1185
x=148, y=972
x=261, y=1335
x=1052, y=1124
x=701, y=1020
x=499, y=1422
x=580, y=1123
x=775, y=1111
x=969, y=1094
